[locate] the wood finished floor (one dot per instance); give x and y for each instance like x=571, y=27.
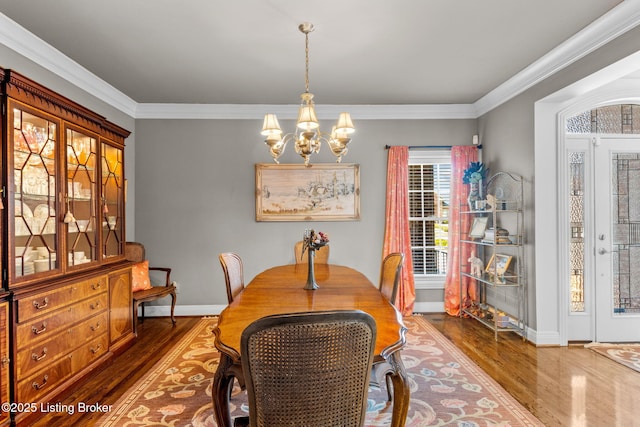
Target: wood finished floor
x=562, y=386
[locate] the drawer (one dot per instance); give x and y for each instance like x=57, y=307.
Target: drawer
x=48, y=301
x=46, y=380
x=33, y=357
x=45, y=327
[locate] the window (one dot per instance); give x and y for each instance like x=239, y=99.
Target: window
x=429, y=184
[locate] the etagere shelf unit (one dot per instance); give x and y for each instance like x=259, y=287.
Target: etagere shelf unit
x=495, y=267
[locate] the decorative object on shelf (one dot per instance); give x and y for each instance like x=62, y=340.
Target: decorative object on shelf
x=498, y=264
x=311, y=242
x=68, y=217
x=475, y=265
x=478, y=227
x=474, y=175
x=307, y=135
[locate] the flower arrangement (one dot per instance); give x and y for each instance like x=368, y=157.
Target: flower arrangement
x=476, y=172
x=314, y=240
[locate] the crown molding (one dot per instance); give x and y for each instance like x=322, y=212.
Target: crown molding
x=619, y=20
x=614, y=23
x=286, y=112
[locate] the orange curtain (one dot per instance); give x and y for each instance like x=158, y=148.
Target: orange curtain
x=461, y=157
x=397, y=237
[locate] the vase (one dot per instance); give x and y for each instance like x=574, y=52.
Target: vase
x=474, y=195
x=311, y=274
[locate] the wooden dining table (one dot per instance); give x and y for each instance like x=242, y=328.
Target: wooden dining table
x=281, y=290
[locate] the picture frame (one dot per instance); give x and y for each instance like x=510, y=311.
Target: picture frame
x=498, y=264
x=478, y=227
x=318, y=192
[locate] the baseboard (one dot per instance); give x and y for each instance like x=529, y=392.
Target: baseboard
x=428, y=307
x=182, y=310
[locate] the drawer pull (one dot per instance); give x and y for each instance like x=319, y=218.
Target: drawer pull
x=37, y=331
x=42, y=356
x=96, y=286
x=37, y=386
x=97, y=349
x=39, y=306
x=5, y=360
x=96, y=327
x=94, y=305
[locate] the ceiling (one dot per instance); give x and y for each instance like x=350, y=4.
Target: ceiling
x=362, y=52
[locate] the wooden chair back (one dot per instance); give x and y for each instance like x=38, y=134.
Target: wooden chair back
x=321, y=257
x=390, y=275
x=308, y=369
x=233, y=274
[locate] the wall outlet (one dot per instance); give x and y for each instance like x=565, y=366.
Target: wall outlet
x=178, y=286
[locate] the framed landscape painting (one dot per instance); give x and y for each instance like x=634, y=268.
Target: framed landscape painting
x=319, y=192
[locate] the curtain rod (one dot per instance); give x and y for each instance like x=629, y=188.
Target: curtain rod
x=412, y=147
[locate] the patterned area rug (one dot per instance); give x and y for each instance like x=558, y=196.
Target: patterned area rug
x=447, y=388
x=625, y=354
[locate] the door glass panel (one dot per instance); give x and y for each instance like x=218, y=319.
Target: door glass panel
x=112, y=202
x=626, y=233
x=576, y=240
x=81, y=200
x=34, y=179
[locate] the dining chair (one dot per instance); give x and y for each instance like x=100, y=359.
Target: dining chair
x=390, y=275
x=389, y=280
x=233, y=274
x=308, y=369
x=321, y=257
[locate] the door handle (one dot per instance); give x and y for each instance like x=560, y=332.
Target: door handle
x=602, y=251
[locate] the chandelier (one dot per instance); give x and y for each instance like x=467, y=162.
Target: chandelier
x=307, y=136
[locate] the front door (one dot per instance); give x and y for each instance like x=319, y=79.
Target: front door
x=616, y=204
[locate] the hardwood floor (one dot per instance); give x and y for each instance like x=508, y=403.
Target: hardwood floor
x=562, y=386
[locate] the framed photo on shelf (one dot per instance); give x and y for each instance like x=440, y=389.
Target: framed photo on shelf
x=318, y=192
x=498, y=264
x=478, y=227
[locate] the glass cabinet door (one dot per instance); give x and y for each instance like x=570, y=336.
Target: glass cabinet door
x=112, y=201
x=33, y=139
x=80, y=215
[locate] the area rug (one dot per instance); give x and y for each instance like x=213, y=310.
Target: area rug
x=447, y=388
x=625, y=354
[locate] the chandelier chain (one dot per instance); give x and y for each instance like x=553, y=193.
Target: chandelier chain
x=306, y=55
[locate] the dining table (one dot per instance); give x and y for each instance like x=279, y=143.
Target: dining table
x=280, y=290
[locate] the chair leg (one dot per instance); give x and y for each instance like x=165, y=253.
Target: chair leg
x=142, y=306
x=135, y=318
x=389, y=386
x=173, y=306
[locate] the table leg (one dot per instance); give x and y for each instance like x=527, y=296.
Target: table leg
x=221, y=390
x=401, y=393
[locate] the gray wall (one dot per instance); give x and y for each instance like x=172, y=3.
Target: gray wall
x=195, y=197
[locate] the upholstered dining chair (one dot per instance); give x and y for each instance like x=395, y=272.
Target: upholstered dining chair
x=390, y=275
x=321, y=257
x=233, y=274
x=389, y=280
x=308, y=369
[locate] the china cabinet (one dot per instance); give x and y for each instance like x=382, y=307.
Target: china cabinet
x=64, y=233
x=494, y=265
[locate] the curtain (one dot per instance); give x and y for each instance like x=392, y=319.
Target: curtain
x=454, y=293
x=397, y=237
